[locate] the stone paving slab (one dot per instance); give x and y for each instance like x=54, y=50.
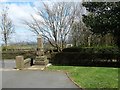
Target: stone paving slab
x=35, y=67
x=9, y=65
x=36, y=79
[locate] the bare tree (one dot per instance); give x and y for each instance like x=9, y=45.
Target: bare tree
x=56, y=22
x=6, y=26
x=79, y=30
x=80, y=34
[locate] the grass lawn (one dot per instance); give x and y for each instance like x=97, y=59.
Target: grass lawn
x=91, y=77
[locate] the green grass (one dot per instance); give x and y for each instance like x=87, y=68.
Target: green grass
x=91, y=77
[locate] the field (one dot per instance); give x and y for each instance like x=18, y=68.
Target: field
x=91, y=77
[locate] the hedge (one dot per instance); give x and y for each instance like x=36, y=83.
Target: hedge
x=12, y=55
x=86, y=59
x=92, y=50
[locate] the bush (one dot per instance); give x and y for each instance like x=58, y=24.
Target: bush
x=72, y=49
x=88, y=57
x=92, y=50
x=12, y=55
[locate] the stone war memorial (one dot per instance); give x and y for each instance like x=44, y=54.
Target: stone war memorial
x=40, y=58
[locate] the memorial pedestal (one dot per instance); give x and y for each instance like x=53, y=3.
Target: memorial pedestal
x=41, y=60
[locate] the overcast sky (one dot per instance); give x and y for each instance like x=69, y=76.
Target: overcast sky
x=18, y=10
x=22, y=9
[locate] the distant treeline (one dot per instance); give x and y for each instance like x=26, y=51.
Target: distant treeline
x=19, y=49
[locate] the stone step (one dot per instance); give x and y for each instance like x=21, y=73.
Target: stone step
x=41, y=62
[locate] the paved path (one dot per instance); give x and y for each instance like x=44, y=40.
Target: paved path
x=7, y=64
x=36, y=79
x=12, y=78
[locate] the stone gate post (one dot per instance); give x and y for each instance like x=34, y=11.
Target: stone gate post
x=19, y=62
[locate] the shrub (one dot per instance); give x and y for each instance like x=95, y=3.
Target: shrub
x=13, y=54
x=92, y=50
x=88, y=57
x=72, y=49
